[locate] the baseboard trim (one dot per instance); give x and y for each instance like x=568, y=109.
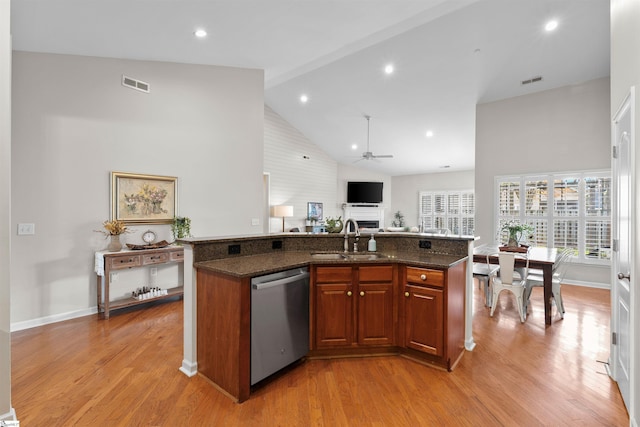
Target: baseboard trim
x=189, y=368
x=27, y=324
x=596, y=285
x=9, y=416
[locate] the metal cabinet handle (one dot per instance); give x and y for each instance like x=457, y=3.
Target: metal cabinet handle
x=423, y=277
x=361, y=293
x=406, y=294
x=624, y=276
x=349, y=293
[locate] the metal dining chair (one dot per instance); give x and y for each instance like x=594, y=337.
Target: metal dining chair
x=483, y=272
x=507, y=280
x=559, y=270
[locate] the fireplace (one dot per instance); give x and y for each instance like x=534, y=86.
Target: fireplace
x=368, y=217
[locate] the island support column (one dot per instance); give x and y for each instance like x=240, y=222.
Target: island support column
x=189, y=361
x=469, y=343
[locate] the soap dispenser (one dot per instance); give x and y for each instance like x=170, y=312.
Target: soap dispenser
x=372, y=244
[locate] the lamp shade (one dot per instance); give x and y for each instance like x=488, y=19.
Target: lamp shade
x=283, y=211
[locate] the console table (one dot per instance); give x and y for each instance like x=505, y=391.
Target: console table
x=106, y=262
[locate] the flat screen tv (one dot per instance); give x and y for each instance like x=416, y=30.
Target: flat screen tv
x=364, y=192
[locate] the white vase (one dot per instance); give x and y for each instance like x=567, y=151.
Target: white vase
x=114, y=243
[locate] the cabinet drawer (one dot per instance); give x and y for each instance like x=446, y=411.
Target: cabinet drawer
x=376, y=273
x=158, y=258
x=177, y=256
x=333, y=274
x=123, y=261
x=425, y=276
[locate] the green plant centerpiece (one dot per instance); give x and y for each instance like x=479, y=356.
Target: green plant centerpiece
x=398, y=221
x=333, y=225
x=181, y=227
x=515, y=231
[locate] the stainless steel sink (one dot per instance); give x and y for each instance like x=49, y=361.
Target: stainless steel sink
x=365, y=257
x=328, y=256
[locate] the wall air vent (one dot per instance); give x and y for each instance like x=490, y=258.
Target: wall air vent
x=531, y=80
x=135, y=84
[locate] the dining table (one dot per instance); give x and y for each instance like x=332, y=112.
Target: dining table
x=540, y=258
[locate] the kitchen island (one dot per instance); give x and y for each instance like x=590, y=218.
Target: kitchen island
x=407, y=299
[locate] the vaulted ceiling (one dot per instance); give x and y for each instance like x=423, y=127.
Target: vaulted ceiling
x=447, y=56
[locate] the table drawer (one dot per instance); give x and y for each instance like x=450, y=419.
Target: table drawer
x=425, y=276
x=177, y=256
x=123, y=261
x=157, y=258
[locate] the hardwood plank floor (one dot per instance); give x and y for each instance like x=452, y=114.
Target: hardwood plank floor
x=124, y=372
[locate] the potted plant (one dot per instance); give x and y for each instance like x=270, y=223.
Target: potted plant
x=333, y=225
x=515, y=231
x=181, y=227
x=114, y=229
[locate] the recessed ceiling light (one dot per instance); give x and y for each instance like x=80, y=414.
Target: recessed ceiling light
x=354, y=146
x=551, y=25
x=304, y=98
x=388, y=69
x=429, y=133
x=200, y=33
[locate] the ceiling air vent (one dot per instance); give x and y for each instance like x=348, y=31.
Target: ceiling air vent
x=531, y=80
x=135, y=84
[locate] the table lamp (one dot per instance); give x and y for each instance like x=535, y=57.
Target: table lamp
x=284, y=211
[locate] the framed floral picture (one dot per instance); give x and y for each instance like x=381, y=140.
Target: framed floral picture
x=143, y=199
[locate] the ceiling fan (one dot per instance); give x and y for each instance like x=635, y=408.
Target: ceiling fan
x=368, y=155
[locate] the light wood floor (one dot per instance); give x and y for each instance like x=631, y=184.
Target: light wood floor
x=124, y=372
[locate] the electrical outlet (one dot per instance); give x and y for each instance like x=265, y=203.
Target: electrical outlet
x=234, y=249
x=255, y=221
x=114, y=277
x=424, y=244
x=153, y=276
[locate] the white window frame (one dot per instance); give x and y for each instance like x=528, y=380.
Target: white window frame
x=548, y=216
x=445, y=216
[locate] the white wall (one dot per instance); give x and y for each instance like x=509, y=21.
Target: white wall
x=296, y=180
x=5, y=210
x=407, y=187
x=348, y=173
x=564, y=129
x=74, y=123
x=625, y=72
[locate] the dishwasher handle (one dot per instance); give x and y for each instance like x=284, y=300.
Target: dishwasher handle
x=279, y=282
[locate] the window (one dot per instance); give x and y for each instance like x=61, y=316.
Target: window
x=567, y=210
x=453, y=210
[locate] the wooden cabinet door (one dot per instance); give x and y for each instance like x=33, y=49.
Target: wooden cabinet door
x=334, y=311
x=424, y=319
x=375, y=314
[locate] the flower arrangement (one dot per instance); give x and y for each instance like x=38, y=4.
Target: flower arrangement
x=516, y=230
x=114, y=228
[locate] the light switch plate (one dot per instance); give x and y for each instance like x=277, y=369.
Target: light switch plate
x=26, y=229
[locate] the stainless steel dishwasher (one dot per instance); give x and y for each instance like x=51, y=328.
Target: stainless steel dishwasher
x=279, y=321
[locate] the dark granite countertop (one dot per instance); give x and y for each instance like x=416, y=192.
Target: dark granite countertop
x=257, y=265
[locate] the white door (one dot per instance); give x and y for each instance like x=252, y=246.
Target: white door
x=623, y=232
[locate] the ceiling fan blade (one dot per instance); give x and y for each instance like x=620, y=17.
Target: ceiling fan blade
x=383, y=156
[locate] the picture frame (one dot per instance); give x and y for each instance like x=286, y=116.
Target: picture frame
x=143, y=199
x=314, y=211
